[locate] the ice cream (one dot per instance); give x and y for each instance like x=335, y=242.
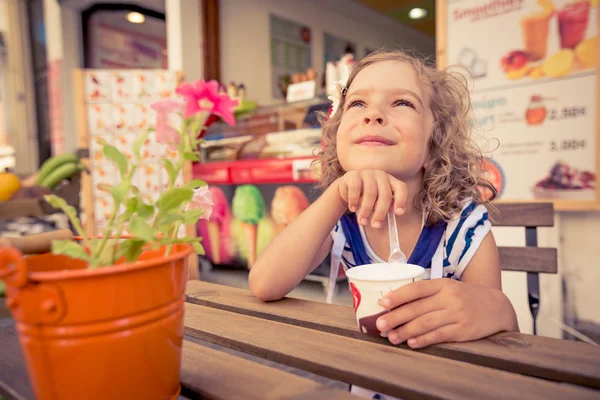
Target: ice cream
x=215, y=231
x=248, y=207
x=287, y=204
x=265, y=232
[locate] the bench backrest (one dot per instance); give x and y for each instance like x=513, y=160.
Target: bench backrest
x=529, y=216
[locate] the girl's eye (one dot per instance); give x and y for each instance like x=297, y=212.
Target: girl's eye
x=356, y=103
x=404, y=103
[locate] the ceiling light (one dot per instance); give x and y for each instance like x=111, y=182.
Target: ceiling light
x=417, y=13
x=135, y=17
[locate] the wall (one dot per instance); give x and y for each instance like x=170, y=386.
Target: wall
x=580, y=237
x=245, y=35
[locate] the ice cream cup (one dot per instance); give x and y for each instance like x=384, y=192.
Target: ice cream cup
x=370, y=282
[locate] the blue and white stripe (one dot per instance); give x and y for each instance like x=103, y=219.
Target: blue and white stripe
x=461, y=239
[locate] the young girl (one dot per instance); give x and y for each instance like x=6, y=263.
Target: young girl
x=401, y=138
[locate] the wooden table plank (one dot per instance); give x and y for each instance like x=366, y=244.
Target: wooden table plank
x=398, y=372
x=553, y=359
x=213, y=374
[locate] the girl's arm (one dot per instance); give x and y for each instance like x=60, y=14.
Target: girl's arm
x=298, y=249
x=484, y=269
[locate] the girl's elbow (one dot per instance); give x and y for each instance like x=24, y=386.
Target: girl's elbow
x=261, y=289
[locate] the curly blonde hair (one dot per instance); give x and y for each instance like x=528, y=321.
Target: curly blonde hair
x=454, y=173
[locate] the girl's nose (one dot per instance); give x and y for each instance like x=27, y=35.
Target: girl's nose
x=374, y=117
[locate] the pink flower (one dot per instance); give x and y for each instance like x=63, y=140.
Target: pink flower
x=204, y=96
x=202, y=200
x=165, y=133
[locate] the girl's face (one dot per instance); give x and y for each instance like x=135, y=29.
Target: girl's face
x=387, y=121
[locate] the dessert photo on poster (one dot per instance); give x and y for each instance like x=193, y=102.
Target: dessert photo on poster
x=541, y=139
x=523, y=40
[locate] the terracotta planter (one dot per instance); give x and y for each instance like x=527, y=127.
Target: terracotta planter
x=113, y=332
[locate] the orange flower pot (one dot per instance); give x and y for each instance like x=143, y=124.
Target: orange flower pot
x=114, y=332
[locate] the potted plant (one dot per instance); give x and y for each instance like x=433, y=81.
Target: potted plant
x=104, y=315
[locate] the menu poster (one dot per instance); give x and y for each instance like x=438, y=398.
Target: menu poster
x=534, y=93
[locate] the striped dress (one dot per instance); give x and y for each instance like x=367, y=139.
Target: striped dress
x=447, y=246
x=444, y=250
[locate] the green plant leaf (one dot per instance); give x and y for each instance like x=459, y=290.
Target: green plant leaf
x=56, y=202
x=188, y=155
x=168, y=218
x=173, y=198
x=195, y=184
x=170, y=170
x=145, y=210
x=137, y=145
x=112, y=153
x=69, y=248
x=198, y=248
x=105, y=257
x=140, y=229
x=192, y=216
x=119, y=191
x=131, y=249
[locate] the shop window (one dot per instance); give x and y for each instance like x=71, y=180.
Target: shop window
x=122, y=36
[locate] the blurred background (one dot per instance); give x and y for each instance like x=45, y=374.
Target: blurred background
x=71, y=70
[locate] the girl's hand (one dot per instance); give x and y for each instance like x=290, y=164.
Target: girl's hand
x=443, y=310
x=371, y=193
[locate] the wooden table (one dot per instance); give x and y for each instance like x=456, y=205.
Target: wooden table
x=240, y=348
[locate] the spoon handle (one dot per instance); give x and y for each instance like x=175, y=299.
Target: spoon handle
x=393, y=233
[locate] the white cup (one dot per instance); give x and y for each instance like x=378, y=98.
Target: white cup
x=370, y=282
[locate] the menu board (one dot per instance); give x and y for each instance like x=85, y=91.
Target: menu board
x=534, y=92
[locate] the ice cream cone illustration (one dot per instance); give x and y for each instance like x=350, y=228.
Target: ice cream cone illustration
x=214, y=234
x=287, y=204
x=265, y=233
x=248, y=207
x=216, y=231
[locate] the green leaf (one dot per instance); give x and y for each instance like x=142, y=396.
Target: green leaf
x=145, y=210
x=195, y=184
x=131, y=249
x=56, y=202
x=192, y=216
x=170, y=170
x=140, y=229
x=173, y=198
x=69, y=248
x=112, y=153
x=168, y=218
x=137, y=145
x=105, y=257
x=188, y=155
x=198, y=248
x=119, y=192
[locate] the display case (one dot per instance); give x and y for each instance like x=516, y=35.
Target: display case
x=262, y=174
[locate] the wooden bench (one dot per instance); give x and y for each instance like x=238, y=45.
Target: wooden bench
x=530, y=259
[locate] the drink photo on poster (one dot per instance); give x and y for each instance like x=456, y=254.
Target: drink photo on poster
x=540, y=57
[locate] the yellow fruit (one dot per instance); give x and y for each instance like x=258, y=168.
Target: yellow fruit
x=586, y=52
x=518, y=73
x=536, y=73
x=560, y=64
x=9, y=184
